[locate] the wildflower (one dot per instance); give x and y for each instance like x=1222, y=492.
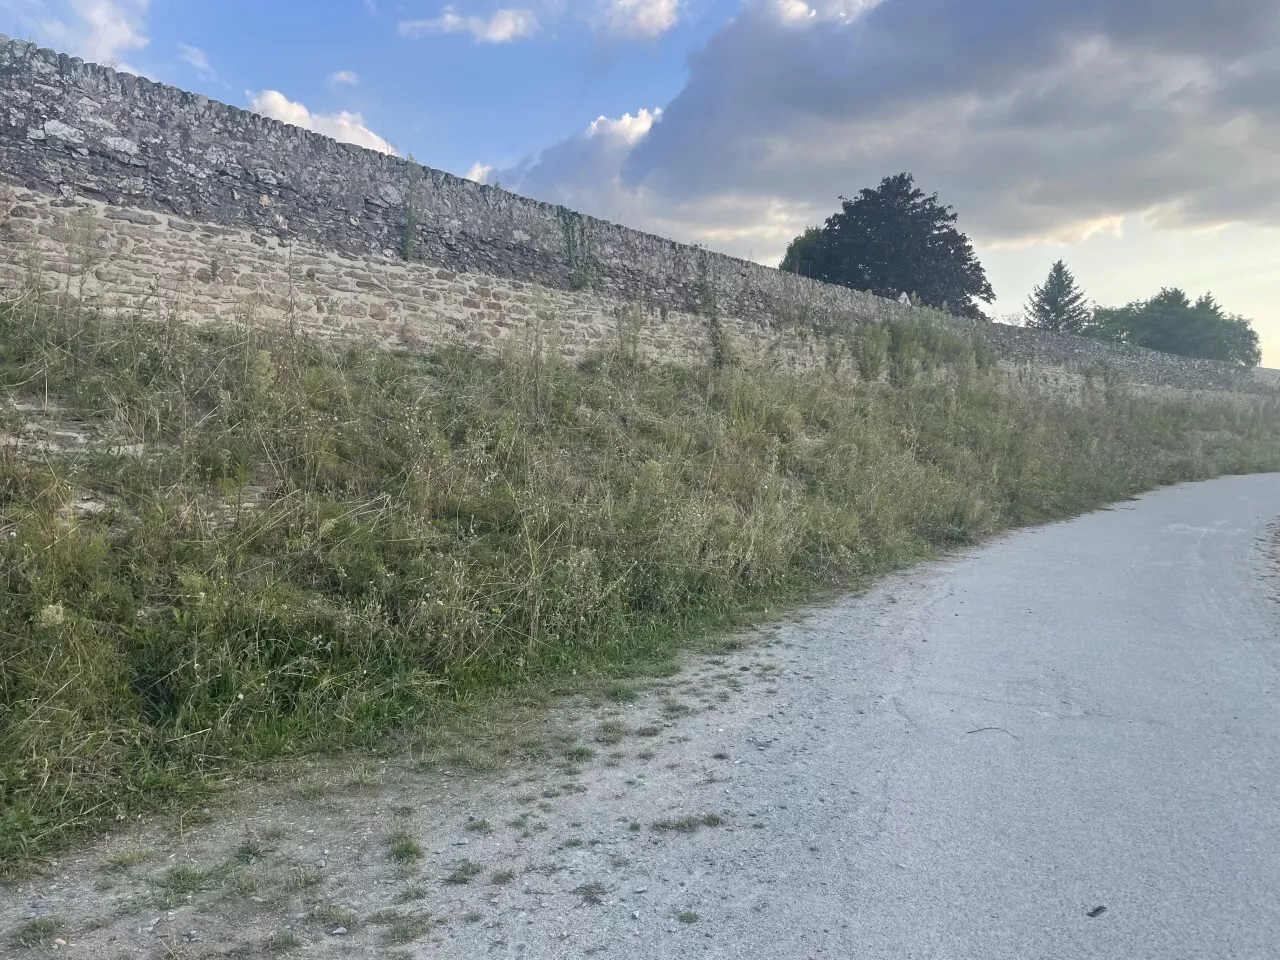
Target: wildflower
x=54, y=615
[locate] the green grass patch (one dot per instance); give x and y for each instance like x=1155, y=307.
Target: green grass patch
x=304, y=547
x=403, y=849
x=612, y=732
x=689, y=824
x=463, y=873
x=39, y=932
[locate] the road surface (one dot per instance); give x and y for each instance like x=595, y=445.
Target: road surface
x=1079, y=716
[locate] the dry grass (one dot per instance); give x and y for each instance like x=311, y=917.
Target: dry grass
x=294, y=547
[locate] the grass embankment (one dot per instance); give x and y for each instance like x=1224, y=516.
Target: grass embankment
x=316, y=547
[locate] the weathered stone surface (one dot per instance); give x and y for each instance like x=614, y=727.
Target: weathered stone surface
x=216, y=213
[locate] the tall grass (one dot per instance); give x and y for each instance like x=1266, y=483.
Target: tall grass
x=299, y=547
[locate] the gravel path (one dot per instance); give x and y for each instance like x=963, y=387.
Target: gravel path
x=1063, y=744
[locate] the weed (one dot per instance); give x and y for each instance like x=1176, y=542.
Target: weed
x=687, y=916
x=410, y=894
x=622, y=692
x=647, y=731
x=612, y=732
x=464, y=872
x=412, y=214
x=480, y=826
x=332, y=915
x=124, y=861
x=502, y=877
x=579, y=754
x=251, y=850
x=592, y=893
x=282, y=941
x=303, y=878
x=245, y=884
x=402, y=848
x=407, y=929
x=179, y=884
x=39, y=932
x=690, y=824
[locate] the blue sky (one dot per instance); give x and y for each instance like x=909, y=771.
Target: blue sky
x=1137, y=140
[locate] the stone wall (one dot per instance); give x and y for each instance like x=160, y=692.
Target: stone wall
x=133, y=193
x=131, y=260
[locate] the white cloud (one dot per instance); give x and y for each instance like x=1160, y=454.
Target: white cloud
x=639, y=19
x=344, y=78
x=479, y=172
x=504, y=26
x=626, y=129
x=101, y=31
x=793, y=11
x=583, y=172
x=198, y=60
x=344, y=126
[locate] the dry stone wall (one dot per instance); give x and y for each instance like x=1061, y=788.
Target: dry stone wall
x=136, y=194
x=131, y=260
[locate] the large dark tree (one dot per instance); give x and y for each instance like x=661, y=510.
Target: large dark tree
x=1170, y=322
x=1058, y=304
x=893, y=240
x=802, y=252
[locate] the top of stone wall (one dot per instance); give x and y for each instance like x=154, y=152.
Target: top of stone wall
x=71, y=128
x=129, y=141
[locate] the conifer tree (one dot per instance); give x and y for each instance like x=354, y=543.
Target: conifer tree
x=1058, y=304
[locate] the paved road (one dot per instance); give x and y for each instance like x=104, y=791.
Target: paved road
x=1077, y=716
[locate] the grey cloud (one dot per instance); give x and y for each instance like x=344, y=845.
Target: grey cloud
x=1032, y=118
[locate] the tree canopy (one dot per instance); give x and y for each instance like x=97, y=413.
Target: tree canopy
x=891, y=240
x=1171, y=322
x=1058, y=304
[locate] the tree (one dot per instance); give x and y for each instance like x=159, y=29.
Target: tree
x=894, y=240
x=1170, y=322
x=802, y=252
x=1058, y=304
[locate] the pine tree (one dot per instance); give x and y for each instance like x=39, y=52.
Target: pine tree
x=1058, y=304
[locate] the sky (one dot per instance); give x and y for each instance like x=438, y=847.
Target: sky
x=1135, y=139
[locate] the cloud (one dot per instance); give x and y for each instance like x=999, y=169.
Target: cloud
x=504, y=26
x=344, y=126
x=102, y=31
x=638, y=19
x=626, y=129
x=584, y=172
x=198, y=60
x=479, y=172
x=344, y=78
x=1054, y=119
